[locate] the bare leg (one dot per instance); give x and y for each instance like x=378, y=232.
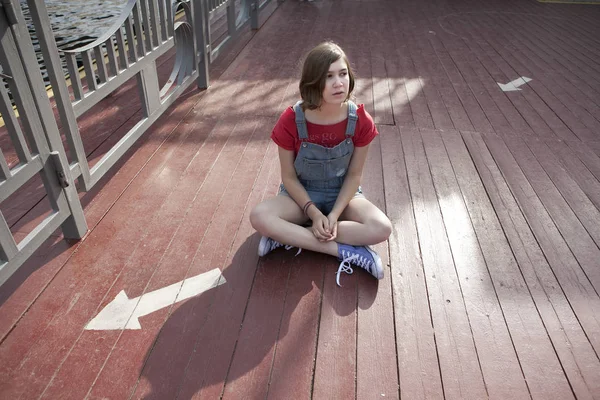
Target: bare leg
x=362, y=223
x=280, y=218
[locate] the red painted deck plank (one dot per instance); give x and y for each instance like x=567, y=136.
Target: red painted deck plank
x=26, y=284
x=377, y=368
x=442, y=81
x=474, y=112
x=506, y=69
x=250, y=370
x=568, y=54
x=451, y=323
x=589, y=154
x=294, y=360
x=421, y=114
x=568, y=187
x=572, y=279
x=148, y=252
x=536, y=357
x=335, y=367
x=461, y=56
x=200, y=244
x=521, y=106
x=521, y=235
x=417, y=353
x=559, y=96
x=572, y=230
x=439, y=113
x=492, y=340
x=382, y=80
x=588, y=183
x=568, y=339
x=96, y=203
x=215, y=339
x=527, y=63
x=75, y=301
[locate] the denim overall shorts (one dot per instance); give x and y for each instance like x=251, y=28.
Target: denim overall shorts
x=321, y=170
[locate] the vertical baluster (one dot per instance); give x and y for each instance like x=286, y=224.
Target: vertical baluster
x=100, y=64
x=112, y=57
x=170, y=17
x=146, y=24
x=208, y=33
x=74, y=75
x=231, y=17
x=4, y=170
x=123, y=58
x=139, y=30
x=152, y=10
x=131, y=39
x=163, y=20
x=199, y=11
x=90, y=76
x=12, y=125
x=254, y=5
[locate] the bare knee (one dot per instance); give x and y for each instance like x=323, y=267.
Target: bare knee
x=380, y=228
x=258, y=218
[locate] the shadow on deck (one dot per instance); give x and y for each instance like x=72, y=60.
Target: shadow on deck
x=493, y=269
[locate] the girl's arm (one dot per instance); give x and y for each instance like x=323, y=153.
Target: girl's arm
x=290, y=179
x=320, y=226
x=351, y=182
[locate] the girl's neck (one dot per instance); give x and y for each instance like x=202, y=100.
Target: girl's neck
x=328, y=113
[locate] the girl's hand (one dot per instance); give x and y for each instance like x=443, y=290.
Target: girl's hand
x=333, y=224
x=320, y=226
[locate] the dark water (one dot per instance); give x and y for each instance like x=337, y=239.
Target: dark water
x=75, y=22
x=78, y=22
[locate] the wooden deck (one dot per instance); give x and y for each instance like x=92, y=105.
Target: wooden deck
x=493, y=268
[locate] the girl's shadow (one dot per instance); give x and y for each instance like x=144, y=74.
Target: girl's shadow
x=228, y=334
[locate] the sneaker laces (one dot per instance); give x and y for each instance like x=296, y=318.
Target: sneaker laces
x=356, y=259
x=288, y=247
x=344, y=267
x=275, y=244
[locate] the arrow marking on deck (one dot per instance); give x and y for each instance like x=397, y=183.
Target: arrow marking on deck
x=514, y=85
x=123, y=312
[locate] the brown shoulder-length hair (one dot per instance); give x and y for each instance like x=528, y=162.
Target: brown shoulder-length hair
x=314, y=73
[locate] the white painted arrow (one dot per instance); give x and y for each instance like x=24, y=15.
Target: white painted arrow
x=514, y=85
x=123, y=313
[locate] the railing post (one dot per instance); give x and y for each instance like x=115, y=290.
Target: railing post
x=199, y=10
x=49, y=49
x=75, y=226
x=148, y=89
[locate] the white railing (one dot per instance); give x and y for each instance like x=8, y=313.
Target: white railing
x=144, y=31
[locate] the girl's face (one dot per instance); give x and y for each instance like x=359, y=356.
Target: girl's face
x=337, y=83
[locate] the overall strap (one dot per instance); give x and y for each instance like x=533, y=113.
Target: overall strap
x=300, y=121
x=352, y=118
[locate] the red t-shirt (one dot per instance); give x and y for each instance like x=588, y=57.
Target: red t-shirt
x=285, y=133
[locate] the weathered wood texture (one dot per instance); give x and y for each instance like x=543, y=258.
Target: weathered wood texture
x=492, y=270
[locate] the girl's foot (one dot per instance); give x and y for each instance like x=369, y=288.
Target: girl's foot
x=267, y=245
x=360, y=256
